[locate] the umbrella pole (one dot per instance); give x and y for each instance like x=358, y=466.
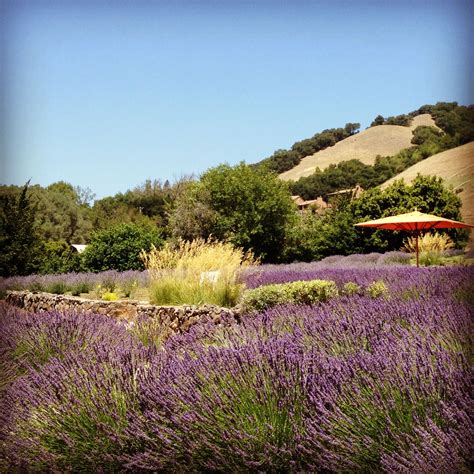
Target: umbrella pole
x=417, y=258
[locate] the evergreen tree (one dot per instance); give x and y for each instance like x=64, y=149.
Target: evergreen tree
x=18, y=239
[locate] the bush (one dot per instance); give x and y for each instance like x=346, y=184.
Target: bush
x=108, y=296
x=435, y=242
x=352, y=385
x=297, y=292
x=119, y=247
x=431, y=247
x=75, y=423
x=264, y=297
x=427, y=259
x=57, y=287
x=249, y=207
x=197, y=272
x=28, y=341
x=128, y=283
x=377, y=288
x=394, y=258
x=79, y=284
x=150, y=331
x=58, y=257
x=108, y=280
x=351, y=288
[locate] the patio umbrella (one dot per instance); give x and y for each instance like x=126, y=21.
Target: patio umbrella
x=414, y=221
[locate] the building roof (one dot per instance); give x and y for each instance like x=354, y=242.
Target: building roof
x=79, y=247
x=298, y=200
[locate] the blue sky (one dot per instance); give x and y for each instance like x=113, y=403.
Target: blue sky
x=107, y=94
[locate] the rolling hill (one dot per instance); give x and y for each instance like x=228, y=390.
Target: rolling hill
x=382, y=140
x=456, y=167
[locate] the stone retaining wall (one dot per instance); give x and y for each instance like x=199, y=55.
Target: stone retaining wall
x=177, y=318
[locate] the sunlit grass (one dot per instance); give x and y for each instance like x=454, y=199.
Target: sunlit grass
x=197, y=272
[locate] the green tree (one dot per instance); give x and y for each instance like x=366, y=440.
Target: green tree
x=379, y=120
x=351, y=128
x=63, y=212
x=344, y=175
x=58, y=257
x=424, y=134
x=113, y=210
x=18, y=239
x=283, y=160
x=193, y=216
x=313, y=237
x=147, y=204
x=426, y=193
x=247, y=206
x=119, y=247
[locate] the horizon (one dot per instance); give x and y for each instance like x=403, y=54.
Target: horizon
x=105, y=97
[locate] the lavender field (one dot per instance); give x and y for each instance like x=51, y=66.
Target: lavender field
x=355, y=384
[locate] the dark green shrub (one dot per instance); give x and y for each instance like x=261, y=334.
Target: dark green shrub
x=119, y=247
x=58, y=257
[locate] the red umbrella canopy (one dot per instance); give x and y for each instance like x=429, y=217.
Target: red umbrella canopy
x=413, y=221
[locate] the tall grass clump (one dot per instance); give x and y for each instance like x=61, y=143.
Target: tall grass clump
x=431, y=247
x=197, y=272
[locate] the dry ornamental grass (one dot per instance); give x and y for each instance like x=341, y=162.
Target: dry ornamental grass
x=197, y=272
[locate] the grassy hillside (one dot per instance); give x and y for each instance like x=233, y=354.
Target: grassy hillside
x=384, y=140
x=456, y=167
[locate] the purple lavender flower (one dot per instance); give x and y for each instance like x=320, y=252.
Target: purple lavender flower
x=353, y=384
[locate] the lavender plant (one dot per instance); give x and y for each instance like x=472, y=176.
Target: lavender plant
x=366, y=376
x=357, y=384
x=29, y=341
x=73, y=415
x=128, y=283
x=79, y=283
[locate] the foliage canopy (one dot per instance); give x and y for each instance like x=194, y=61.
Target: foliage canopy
x=119, y=247
x=247, y=206
x=18, y=239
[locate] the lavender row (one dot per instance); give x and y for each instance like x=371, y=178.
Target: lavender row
x=78, y=283
x=112, y=278
x=356, y=384
x=407, y=281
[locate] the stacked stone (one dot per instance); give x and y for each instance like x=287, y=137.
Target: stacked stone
x=177, y=318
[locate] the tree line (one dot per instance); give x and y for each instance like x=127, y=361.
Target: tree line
x=457, y=128
x=283, y=160
x=246, y=205
x=249, y=207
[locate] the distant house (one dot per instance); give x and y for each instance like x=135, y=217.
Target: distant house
x=353, y=193
x=298, y=200
x=79, y=247
x=317, y=205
